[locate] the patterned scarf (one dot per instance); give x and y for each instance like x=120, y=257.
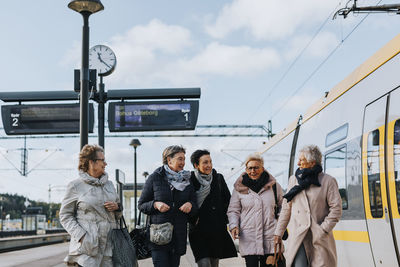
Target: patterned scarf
x=94, y=181
x=305, y=178
x=205, y=181
x=178, y=180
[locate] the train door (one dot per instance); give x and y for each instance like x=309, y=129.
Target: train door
x=393, y=161
x=376, y=199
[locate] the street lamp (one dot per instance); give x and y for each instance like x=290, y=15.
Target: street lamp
x=135, y=143
x=86, y=8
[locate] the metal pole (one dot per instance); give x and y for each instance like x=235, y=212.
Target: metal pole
x=1, y=214
x=135, y=190
x=100, y=113
x=84, y=99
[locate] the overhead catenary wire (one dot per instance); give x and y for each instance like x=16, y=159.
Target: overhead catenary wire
x=275, y=86
x=314, y=71
x=318, y=67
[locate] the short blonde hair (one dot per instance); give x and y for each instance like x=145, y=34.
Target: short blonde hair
x=170, y=152
x=88, y=153
x=312, y=153
x=255, y=157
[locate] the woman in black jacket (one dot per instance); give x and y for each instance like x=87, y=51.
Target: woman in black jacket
x=208, y=234
x=168, y=196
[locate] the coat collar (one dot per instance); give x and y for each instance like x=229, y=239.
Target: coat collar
x=241, y=188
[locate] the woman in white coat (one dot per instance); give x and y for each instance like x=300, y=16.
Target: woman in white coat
x=88, y=211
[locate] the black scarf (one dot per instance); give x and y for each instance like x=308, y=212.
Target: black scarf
x=256, y=185
x=305, y=178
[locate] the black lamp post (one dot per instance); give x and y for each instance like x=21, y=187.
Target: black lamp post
x=86, y=8
x=135, y=143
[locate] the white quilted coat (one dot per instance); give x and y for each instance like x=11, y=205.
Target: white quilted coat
x=83, y=213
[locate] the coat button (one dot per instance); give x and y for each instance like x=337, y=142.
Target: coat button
x=213, y=208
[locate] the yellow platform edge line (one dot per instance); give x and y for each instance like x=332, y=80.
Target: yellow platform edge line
x=353, y=236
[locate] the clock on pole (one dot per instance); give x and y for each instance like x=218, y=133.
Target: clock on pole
x=103, y=59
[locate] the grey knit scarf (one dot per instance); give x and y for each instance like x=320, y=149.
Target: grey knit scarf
x=177, y=180
x=205, y=186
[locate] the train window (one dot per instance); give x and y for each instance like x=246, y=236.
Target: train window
x=374, y=184
x=396, y=152
x=335, y=165
x=337, y=135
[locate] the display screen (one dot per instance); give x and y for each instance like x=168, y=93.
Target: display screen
x=152, y=116
x=43, y=119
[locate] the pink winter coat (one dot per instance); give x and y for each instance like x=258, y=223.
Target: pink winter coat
x=253, y=213
x=310, y=218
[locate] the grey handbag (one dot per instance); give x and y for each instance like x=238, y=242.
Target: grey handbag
x=161, y=234
x=123, y=251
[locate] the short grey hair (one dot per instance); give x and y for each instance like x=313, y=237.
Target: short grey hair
x=170, y=152
x=312, y=153
x=255, y=157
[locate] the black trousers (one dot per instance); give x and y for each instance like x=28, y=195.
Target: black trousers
x=165, y=258
x=255, y=260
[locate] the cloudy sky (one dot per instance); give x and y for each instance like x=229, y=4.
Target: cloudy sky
x=254, y=60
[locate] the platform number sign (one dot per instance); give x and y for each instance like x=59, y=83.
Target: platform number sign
x=43, y=119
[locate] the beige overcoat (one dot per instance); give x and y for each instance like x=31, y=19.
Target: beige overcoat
x=310, y=218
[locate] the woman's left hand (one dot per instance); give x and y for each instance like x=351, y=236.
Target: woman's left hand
x=186, y=208
x=111, y=206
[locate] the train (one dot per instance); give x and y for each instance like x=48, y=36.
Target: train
x=357, y=127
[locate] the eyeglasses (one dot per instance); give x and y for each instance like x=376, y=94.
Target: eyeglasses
x=255, y=168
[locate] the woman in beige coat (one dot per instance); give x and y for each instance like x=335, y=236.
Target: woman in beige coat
x=88, y=211
x=311, y=208
x=251, y=212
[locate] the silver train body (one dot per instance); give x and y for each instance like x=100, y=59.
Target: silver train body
x=357, y=127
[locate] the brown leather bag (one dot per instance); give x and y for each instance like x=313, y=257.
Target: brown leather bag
x=276, y=260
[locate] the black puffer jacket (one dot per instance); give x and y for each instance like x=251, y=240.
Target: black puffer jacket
x=157, y=189
x=208, y=234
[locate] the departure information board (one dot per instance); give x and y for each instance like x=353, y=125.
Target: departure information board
x=152, y=116
x=43, y=119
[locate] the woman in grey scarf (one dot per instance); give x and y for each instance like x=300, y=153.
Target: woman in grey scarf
x=208, y=235
x=168, y=196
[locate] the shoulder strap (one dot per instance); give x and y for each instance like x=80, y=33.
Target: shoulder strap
x=276, y=201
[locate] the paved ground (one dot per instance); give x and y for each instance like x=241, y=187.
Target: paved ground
x=53, y=255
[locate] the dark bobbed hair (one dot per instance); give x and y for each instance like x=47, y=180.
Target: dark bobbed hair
x=88, y=153
x=171, y=151
x=195, y=157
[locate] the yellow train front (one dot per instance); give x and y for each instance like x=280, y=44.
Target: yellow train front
x=357, y=127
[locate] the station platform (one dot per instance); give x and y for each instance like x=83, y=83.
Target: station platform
x=53, y=255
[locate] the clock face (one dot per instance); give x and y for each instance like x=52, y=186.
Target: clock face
x=103, y=59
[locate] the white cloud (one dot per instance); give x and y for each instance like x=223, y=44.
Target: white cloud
x=157, y=54
x=156, y=36
x=224, y=60
x=268, y=20
x=321, y=46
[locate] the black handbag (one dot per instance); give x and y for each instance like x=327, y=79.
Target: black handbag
x=123, y=251
x=277, y=210
x=140, y=239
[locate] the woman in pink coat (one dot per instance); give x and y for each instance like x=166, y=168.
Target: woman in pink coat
x=251, y=212
x=311, y=208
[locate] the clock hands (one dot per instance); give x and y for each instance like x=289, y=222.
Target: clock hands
x=101, y=60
